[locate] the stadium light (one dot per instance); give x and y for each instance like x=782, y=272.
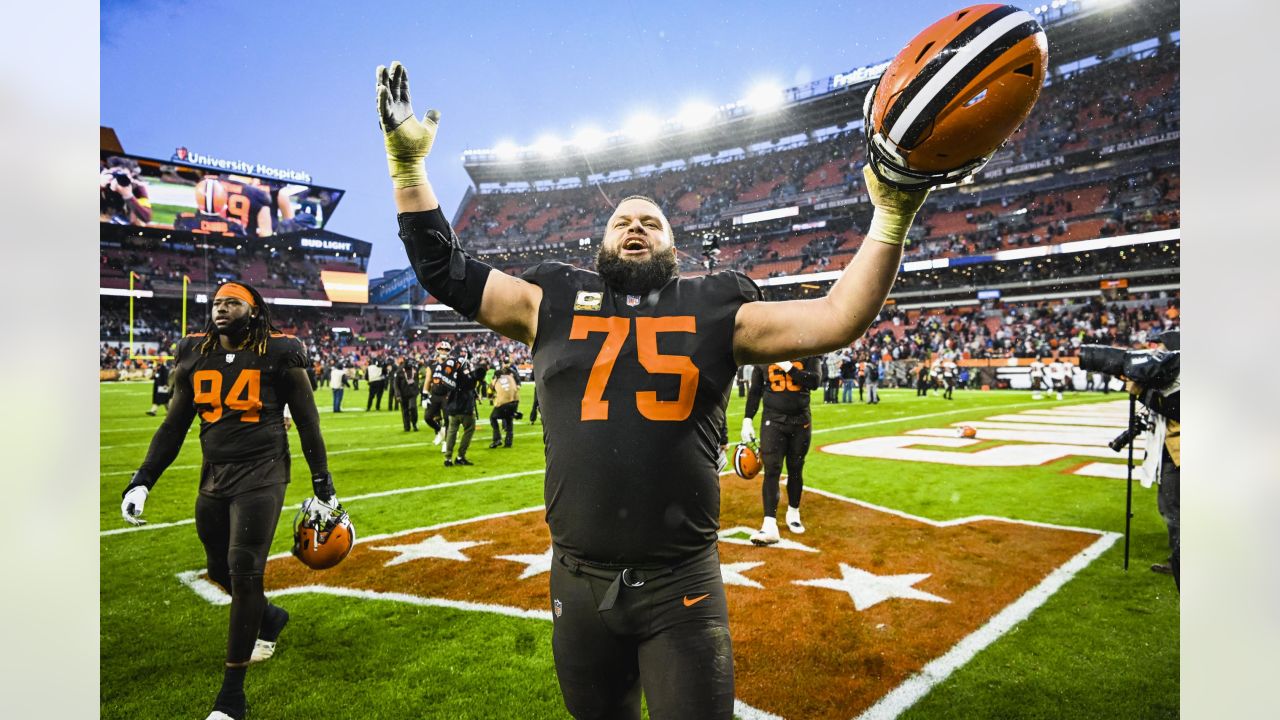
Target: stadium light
x=589, y=139
x=548, y=145
x=642, y=127
x=506, y=150
x=765, y=97
x=696, y=114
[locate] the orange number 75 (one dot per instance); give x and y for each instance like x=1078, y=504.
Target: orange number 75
x=595, y=407
x=245, y=394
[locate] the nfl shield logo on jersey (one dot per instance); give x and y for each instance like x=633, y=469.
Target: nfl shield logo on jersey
x=231, y=357
x=633, y=300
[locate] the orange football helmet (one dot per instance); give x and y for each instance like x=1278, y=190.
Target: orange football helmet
x=746, y=460
x=211, y=196
x=953, y=95
x=966, y=431
x=322, y=535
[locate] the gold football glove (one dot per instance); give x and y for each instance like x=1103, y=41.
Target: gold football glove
x=408, y=140
x=895, y=209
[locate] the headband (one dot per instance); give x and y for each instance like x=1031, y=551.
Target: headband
x=236, y=291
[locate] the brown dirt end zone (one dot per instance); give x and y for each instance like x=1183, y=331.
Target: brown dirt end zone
x=800, y=650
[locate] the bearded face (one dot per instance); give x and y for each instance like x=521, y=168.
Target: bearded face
x=637, y=254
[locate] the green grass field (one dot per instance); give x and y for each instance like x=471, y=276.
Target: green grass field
x=1104, y=646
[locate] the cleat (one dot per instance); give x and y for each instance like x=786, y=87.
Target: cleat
x=439, y=437
x=495, y=444
x=448, y=462
x=219, y=715
x=764, y=537
x=463, y=461
x=262, y=651
x=796, y=526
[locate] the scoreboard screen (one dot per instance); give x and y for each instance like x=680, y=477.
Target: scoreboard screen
x=173, y=195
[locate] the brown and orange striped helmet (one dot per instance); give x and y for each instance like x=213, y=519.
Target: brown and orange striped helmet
x=321, y=540
x=746, y=460
x=953, y=95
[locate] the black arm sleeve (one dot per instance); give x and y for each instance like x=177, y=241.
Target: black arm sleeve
x=805, y=378
x=302, y=404
x=756, y=391
x=167, y=441
x=437, y=258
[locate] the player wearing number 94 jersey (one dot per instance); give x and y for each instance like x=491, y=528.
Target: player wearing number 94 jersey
x=238, y=376
x=633, y=366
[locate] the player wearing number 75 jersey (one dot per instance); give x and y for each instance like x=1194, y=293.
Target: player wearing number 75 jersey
x=238, y=376
x=634, y=369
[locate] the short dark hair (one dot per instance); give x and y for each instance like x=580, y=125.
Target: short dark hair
x=646, y=198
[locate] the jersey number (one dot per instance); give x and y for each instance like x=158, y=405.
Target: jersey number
x=245, y=394
x=595, y=407
x=780, y=381
x=238, y=208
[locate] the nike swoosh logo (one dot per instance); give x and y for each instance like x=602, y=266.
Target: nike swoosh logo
x=695, y=601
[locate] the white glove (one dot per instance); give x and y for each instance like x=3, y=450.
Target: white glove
x=748, y=432
x=319, y=509
x=131, y=506
x=784, y=366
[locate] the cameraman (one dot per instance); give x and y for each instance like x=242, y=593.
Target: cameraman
x=123, y=198
x=1164, y=403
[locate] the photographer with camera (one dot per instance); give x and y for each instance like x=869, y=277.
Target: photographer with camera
x=123, y=198
x=1153, y=378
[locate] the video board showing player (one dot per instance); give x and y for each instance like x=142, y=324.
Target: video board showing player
x=146, y=192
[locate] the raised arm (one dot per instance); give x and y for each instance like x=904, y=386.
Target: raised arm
x=505, y=304
x=772, y=331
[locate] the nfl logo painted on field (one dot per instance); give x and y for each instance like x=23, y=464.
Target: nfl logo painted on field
x=633, y=300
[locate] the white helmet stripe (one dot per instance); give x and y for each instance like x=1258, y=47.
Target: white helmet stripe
x=954, y=66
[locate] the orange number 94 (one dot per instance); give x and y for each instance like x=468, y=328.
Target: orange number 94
x=245, y=394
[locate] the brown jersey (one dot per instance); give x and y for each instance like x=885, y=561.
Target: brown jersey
x=633, y=390
x=236, y=397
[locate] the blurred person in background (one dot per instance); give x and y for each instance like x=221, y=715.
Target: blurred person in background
x=404, y=383
x=161, y=388
x=506, y=404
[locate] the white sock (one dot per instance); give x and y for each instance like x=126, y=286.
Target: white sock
x=770, y=525
x=793, y=515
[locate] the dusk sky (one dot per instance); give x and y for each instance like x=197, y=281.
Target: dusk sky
x=291, y=85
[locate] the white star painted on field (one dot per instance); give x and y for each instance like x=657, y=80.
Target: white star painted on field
x=537, y=564
x=867, y=590
x=732, y=573
x=432, y=547
x=741, y=536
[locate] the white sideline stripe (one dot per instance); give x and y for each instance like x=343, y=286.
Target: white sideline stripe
x=399, y=446
x=345, y=499
x=908, y=418
x=909, y=692
x=1030, y=436
x=905, y=418
x=326, y=432
x=148, y=526
x=962, y=58
x=1061, y=420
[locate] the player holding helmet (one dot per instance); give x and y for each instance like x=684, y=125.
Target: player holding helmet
x=785, y=433
x=238, y=375
x=634, y=369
